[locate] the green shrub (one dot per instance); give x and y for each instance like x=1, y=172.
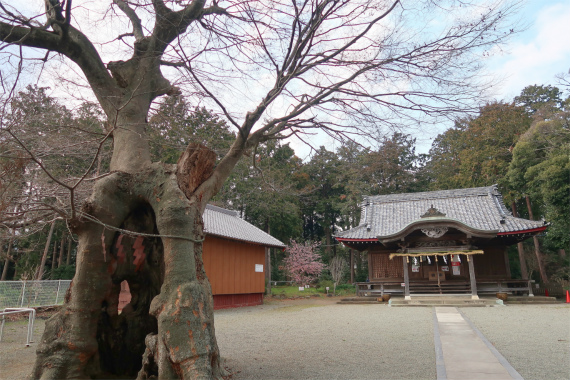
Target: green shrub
x=65, y=272
x=325, y=276
x=292, y=291
x=345, y=289
x=324, y=283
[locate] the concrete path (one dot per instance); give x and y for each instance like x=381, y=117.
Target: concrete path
x=463, y=352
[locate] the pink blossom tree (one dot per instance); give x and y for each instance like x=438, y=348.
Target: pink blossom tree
x=302, y=263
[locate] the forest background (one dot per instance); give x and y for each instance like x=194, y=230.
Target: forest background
x=523, y=145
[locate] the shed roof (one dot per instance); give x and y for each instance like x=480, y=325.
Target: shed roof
x=480, y=208
x=226, y=223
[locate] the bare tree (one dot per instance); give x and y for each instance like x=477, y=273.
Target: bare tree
x=43, y=145
x=343, y=67
x=337, y=267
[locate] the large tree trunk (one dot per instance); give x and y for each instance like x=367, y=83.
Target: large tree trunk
x=167, y=330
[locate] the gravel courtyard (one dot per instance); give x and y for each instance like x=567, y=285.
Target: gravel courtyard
x=318, y=339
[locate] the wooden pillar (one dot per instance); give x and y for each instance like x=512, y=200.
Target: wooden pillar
x=351, y=266
x=406, y=279
x=507, y=264
x=472, y=278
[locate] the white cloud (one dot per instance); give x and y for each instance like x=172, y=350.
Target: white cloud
x=538, y=54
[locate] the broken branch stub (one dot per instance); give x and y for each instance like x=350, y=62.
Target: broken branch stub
x=194, y=166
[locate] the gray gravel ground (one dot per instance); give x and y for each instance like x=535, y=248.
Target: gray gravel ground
x=317, y=339
x=327, y=341
x=535, y=339
x=16, y=359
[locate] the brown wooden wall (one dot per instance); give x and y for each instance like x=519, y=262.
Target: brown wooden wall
x=381, y=267
x=492, y=264
x=230, y=266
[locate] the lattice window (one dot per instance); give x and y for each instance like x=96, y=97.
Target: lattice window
x=383, y=267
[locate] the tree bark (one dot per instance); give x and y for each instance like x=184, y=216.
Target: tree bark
x=169, y=321
x=7, y=261
x=53, y=260
x=61, y=249
x=68, y=259
x=40, y=272
x=520, y=249
x=328, y=240
x=539, y=256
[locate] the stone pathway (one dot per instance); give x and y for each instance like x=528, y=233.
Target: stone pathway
x=463, y=352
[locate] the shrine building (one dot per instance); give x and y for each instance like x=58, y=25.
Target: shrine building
x=439, y=242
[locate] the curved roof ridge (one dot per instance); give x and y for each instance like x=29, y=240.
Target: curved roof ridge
x=480, y=208
x=437, y=194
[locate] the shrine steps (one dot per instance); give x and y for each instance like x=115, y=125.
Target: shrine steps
x=455, y=300
x=361, y=301
x=423, y=300
x=536, y=300
x=444, y=300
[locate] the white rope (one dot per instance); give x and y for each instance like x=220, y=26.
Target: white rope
x=132, y=233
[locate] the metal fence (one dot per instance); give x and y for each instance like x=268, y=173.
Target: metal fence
x=32, y=293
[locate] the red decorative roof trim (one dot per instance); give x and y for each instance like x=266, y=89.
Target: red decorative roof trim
x=348, y=239
x=539, y=229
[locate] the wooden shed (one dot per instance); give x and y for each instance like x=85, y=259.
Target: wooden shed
x=234, y=254
x=234, y=258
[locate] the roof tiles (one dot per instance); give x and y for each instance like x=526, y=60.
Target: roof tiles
x=227, y=224
x=481, y=208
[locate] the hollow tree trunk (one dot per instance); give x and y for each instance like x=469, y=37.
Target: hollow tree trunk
x=167, y=329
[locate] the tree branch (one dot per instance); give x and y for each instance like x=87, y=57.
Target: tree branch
x=135, y=20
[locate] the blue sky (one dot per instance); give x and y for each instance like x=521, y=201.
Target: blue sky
x=536, y=55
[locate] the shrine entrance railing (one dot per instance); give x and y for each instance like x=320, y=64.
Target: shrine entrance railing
x=379, y=288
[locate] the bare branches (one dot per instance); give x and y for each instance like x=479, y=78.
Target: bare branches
x=277, y=68
x=46, y=156
x=135, y=20
x=76, y=47
x=345, y=67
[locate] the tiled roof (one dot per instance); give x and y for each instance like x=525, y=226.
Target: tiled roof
x=481, y=208
x=226, y=223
